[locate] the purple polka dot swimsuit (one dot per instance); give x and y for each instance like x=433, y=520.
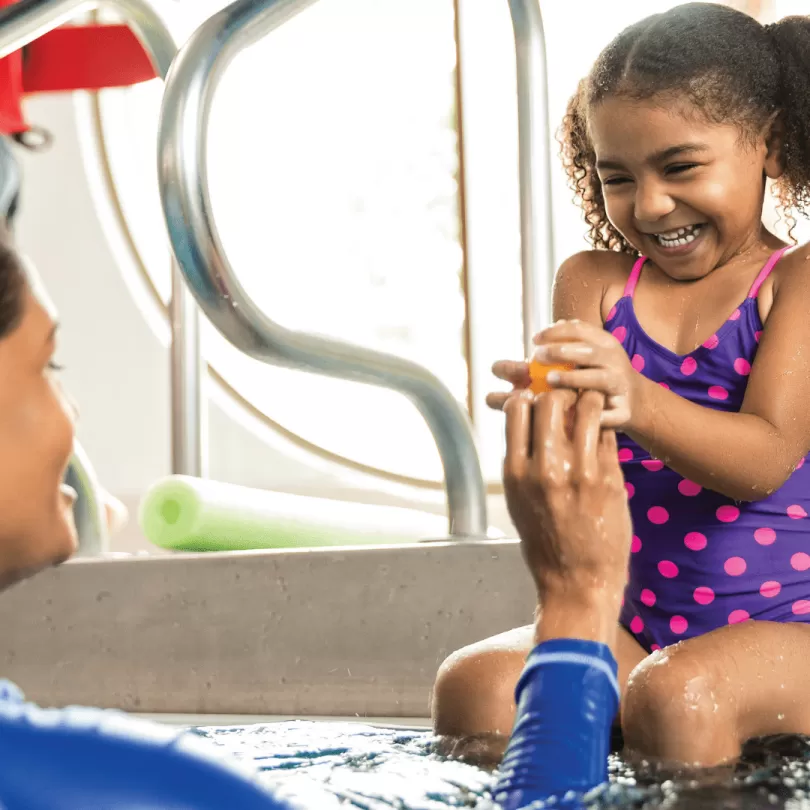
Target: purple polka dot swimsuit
x=700, y=560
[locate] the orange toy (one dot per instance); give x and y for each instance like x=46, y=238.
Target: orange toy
x=539, y=371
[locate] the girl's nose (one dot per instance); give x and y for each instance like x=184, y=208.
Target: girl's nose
x=652, y=203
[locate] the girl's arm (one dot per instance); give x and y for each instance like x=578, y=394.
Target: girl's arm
x=745, y=455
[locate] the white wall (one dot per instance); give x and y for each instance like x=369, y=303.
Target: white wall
x=116, y=361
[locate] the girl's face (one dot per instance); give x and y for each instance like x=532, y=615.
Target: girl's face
x=36, y=443
x=682, y=191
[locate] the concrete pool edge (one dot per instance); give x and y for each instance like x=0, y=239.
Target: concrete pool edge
x=206, y=720
x=295, y=633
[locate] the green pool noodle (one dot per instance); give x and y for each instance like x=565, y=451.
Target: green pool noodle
x=183, y=513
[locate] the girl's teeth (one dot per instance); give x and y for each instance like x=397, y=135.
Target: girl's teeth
x=682, y=236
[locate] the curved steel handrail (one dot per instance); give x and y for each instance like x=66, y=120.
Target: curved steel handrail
x=182, y=145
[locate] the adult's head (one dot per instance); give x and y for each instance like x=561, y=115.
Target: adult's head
x=36, y=429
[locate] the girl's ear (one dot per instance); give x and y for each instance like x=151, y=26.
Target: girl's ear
x=774, y=145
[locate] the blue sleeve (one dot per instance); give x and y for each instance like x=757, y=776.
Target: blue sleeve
x=567, y=699
x=76, y=759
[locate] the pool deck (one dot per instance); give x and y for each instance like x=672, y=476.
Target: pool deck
x=355, y=633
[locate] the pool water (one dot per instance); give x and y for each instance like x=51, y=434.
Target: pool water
x=321, y=766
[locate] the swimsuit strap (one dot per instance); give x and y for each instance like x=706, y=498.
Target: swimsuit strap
x=632, y=280
x=630, y=287
x=766, y=271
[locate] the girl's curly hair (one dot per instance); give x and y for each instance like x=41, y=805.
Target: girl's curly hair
x=730, y=67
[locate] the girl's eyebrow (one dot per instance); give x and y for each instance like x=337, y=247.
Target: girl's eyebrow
x=52, y=333
x=658, y=157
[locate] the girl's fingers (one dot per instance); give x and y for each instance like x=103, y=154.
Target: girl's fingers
x=614, y=418
x=497, y=399
x=564, y=331
x=594, y=379
x=513, y=371
x=586, y=355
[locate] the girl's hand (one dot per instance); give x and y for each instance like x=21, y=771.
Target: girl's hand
x=516, y=373
x=565, y=493
x=601, y=365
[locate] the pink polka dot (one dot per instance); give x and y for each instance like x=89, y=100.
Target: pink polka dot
x=742, y=366
x=800, y=561
x=611, y=314
x=652, y=464
x=635, y=545
x=664, y=385
x=735, y=316
x=712, y=343
x=648, y=597
x=689, y=366
x=689, y=488
x=770, y=589
x=703, y=595
x=737, y=616
x=631, y=490
x=727, y=514
x=800, y=464
x=678, y=625
x=718, y=392
x=796, y=512
x=625, y=454
x=765, y=536
x=695, y=541
x=637, y=362
x=636, y=624
x=735, y=566
x=801, y=607
x=668, y=569
x=654, y=647
x=620, y=333
x=657, y=515
x=757, y=336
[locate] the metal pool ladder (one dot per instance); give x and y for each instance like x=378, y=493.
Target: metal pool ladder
x=184, y=190
x=201, y=259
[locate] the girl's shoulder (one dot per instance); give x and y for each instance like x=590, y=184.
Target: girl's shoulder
x=794, y=262
x=589, y=283
x=790, y=279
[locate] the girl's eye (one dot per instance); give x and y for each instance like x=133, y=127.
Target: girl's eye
x=679, y=168
x=54, y=366
x=615, y=181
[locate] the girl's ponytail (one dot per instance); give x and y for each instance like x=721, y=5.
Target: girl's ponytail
x=791, y=41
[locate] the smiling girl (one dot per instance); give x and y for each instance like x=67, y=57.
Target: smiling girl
x=692, y=319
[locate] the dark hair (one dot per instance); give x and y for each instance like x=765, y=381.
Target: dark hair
x=730, y=66
x=12, y=285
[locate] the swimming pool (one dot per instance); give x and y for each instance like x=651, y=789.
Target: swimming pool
x=339, y=765
x=240, y=637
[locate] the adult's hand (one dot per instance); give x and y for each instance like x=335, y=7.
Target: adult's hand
x=565, y=493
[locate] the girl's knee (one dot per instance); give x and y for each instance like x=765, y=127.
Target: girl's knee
x=675, y=708
x=474, y=692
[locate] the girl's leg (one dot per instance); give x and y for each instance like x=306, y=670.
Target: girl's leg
x=698, y=702
x=474, y=695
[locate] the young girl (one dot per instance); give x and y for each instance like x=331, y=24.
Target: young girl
x=693, y=320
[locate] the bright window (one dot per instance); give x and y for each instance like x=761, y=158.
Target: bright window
x=334, y=166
